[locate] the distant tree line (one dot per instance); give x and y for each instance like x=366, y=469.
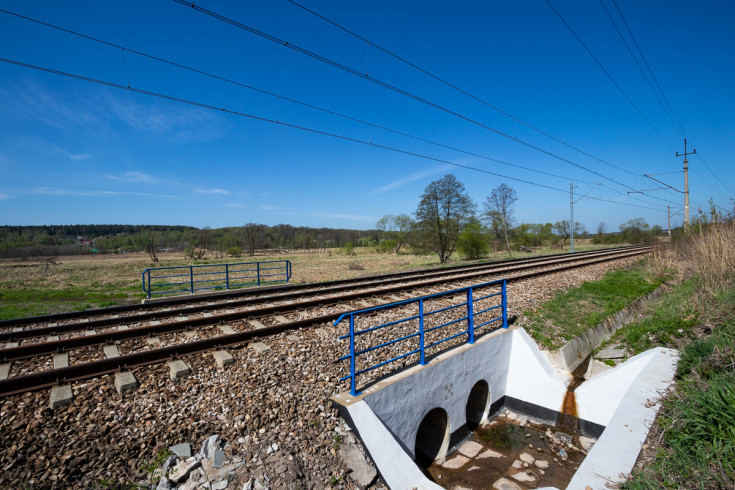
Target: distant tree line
x=29, y=241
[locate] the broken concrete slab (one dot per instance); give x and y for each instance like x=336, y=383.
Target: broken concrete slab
x=611, y=353
x=183, y=451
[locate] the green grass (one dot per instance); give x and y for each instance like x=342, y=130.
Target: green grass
x=575, y=311
x=697, y=423
x=18, y=303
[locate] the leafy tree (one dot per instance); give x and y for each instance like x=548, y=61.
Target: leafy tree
x=396, y=228
x=473, y=241
x=633, y=230
x=444, y=210
x=499, y=207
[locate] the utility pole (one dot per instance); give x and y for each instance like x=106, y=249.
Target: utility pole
x=668, y=211
x=686, y=181
x=571, y=217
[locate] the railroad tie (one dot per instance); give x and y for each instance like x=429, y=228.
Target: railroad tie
x=256, y=324
x=281, y=318
x=189, y=333
x=61, y=360
x=222, y=358
x=226, y=329
x=90, y=332
x=52, y=338
x=4, y=370
x=178, y=369
x=10, y=345
x=17, y=329
x=60, y=396
x=153, y=340
x=125, y=382
x=259, y=346
x=111, y=351
x=123, y=327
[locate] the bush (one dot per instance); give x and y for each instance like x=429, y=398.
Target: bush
x=234, y=251
x=473, y=242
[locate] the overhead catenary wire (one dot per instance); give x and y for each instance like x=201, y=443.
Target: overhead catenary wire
x=280, y=97
x=311, y=106
x=294, y=126
x=607, y=74
x=388, y=86
x=457, y=88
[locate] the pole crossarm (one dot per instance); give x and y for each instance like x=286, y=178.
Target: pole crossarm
x=662, y=183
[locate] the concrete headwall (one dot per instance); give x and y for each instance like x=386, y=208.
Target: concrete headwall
x=507, y=360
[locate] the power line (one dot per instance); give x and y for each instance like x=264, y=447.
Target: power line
x=640, y=68
x=282, y=97
x=285, y=124
x=606, y=74
x=398, y=90
x=455, y=87
x=649, y=67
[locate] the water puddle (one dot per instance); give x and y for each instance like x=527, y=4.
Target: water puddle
x=514, y=453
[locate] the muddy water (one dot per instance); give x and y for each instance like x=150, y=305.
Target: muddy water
x=526, y=454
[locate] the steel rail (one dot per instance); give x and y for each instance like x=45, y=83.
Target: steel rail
x=170, y=302
x=42, y=348
x=487, y=268
x=45, y=379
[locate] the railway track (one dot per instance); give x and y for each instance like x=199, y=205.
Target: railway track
x=190, y=325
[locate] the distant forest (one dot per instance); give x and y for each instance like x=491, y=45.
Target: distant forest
x=29, y=241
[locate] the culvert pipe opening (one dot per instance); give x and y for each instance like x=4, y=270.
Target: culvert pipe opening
x=478, y=403
x=432, y=437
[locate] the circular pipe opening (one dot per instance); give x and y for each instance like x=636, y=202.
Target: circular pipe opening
x=478, y=403
x=432, y=438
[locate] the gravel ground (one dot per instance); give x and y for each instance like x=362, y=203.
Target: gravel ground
x=265, y=400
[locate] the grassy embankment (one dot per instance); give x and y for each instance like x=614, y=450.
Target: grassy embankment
x=692, y=444
x=31, y=286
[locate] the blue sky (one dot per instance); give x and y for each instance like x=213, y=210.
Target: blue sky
x=74, y=151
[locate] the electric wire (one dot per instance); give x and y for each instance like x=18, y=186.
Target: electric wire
x=607, y=74
x=388, y=86
x=640, y=68
x=293, y=126
x=460, y=90
x=282, y=97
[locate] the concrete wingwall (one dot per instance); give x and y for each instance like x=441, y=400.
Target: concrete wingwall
x=507, y=360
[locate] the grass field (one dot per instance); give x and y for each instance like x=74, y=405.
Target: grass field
x=31, y=287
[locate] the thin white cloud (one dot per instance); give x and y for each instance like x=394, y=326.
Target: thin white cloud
x=213, y=191
x=80, y=157
x=47, y=148
x=52, y=191
x=235, y=205
x=407, y=180
x=5, y=196
x=268, y=207
x=131, y=177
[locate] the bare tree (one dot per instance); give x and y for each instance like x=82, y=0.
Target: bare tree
x=601, y=228
x=499, y=207
x=444, y=210
x=150, y=246
x=397, y=228
x=250, y=233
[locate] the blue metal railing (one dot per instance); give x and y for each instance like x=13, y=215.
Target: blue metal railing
x=161, y=280
x=473, y=298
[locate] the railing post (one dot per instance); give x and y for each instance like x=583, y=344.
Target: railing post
x=353, y=383
x=258, y=265
x=470, y=318
x=191, y=278
x=144, y=289
x=422, y=359
x=504, y=297
x=227, y=276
